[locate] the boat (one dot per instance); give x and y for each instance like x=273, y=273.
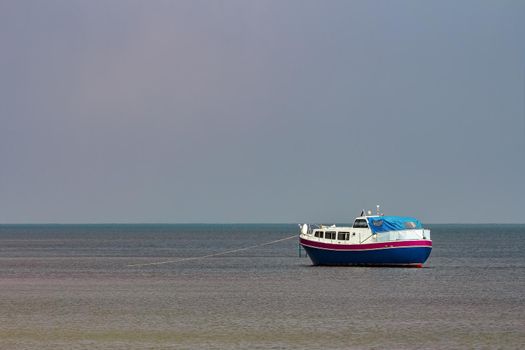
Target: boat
x=372, y=240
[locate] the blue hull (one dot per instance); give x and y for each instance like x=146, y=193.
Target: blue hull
x=389, y=256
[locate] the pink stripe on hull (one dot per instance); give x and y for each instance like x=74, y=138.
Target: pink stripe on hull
x=368, y=246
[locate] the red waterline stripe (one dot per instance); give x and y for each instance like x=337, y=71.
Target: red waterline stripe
x=368, y=246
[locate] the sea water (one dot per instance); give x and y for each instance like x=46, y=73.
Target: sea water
x=124, y=287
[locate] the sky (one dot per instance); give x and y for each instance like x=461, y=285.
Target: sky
x=261, y=111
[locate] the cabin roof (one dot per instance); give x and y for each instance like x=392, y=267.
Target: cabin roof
x=392, y=223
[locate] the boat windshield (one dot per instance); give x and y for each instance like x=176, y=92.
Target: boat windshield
x=360, y=223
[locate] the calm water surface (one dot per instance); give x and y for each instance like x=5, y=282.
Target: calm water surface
x=72, y=287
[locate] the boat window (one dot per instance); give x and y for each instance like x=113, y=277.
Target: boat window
x=360, y=223
x=318, y=234
x=330, y=235
x=343, y=236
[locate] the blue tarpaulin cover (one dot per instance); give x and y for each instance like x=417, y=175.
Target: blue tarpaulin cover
x=392, y=223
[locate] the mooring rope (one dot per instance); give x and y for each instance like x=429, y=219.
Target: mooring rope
x=215, y=254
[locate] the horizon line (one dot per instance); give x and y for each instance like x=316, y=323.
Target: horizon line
x=232, y=223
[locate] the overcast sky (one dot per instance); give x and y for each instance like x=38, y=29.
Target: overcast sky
x=261, y=111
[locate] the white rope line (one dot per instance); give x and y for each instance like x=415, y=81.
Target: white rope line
x=215, y=254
